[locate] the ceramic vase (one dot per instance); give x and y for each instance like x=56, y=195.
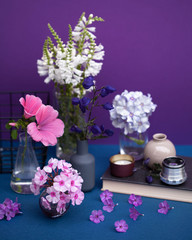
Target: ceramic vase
x=25, y=166
x=84, y=162
x=50, y=209
x=158, y=149
x=133, y=144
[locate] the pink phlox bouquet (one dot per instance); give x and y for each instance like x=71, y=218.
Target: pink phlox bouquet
x=61, y=182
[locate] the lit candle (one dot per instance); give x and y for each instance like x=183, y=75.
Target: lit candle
x=122, y=162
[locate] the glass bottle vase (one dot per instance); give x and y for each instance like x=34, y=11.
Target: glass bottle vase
x=25, y=166
x=133, y=144
x=52, y=210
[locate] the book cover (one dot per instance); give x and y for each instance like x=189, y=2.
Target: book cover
x=136, y=184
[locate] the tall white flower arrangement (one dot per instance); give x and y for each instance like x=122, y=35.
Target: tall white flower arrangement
x=131, y=111
x=69, y=64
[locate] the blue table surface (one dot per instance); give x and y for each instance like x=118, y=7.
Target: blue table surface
x=75, y=224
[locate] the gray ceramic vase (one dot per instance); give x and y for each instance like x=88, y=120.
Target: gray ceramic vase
x=84, y=162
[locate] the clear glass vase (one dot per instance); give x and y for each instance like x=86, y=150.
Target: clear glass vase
x=50, y=209
x=67, y=143
x=133, y=144
x=25, y=166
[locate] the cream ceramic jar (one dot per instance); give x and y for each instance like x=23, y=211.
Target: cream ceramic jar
x=158, y=149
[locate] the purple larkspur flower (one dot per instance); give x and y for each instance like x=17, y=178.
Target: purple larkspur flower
x=88, y=82
x=76, y=129
x=149, y=179
x=102, y=128
x=75, y=101
x=97, y=216
x=84, y=102
x=135, y=200
x=95, y=129
x=107, y=106
x=164, y=207
x=109, y=132
x=134, y=214
x=107, y=90
x=121, y=226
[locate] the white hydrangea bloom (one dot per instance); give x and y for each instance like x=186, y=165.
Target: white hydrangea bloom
x=131, y=111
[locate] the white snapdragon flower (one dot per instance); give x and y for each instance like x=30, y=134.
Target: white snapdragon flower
x=131, y=111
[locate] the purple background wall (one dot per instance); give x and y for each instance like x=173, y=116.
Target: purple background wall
x=148, y=47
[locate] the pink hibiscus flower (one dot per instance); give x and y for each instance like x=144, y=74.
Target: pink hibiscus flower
x=31, y=105
x=48, y=126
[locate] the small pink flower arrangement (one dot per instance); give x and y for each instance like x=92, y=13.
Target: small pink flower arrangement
x=62, y=185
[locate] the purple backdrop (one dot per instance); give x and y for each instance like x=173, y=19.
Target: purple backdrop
x=148, y=47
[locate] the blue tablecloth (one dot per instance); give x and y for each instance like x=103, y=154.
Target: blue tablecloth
x=75, y=224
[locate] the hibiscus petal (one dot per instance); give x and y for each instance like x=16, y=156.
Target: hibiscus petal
x=46, y=114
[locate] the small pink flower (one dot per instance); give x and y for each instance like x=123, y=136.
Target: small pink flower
x=61, y=207
x=31, y=105
x=77, y=197
x=97, y=216
x=135, y=200
x=121, y=226
x=40, y=177
x=53, y=195
x=64, y=197
x=105, y=196
x=164, y=207
x=134, y=214
x=60, y=183
x=35, y=189
x=109, y=206
x=64, y=166
x=48, y=126
x=52, y=164
x=45, y=203
x=74, y=183
x=12, y=124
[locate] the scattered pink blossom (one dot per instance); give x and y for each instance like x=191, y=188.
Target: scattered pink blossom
x=105, y=196
x=48, y=127
x=135, y=200
x=31, y=105
x=121, y=226
x=110, y=206
x=134, y=214
x=164, y=207
x=97, y=216
x=8, y=209
x=53, y=195
x=45, y=203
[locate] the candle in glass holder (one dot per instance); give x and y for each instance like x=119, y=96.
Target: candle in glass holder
x=121, y=165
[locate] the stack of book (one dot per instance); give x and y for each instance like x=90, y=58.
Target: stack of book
x=137, y=185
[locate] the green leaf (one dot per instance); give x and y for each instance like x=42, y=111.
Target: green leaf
x=138, y=141
x=14, y=134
